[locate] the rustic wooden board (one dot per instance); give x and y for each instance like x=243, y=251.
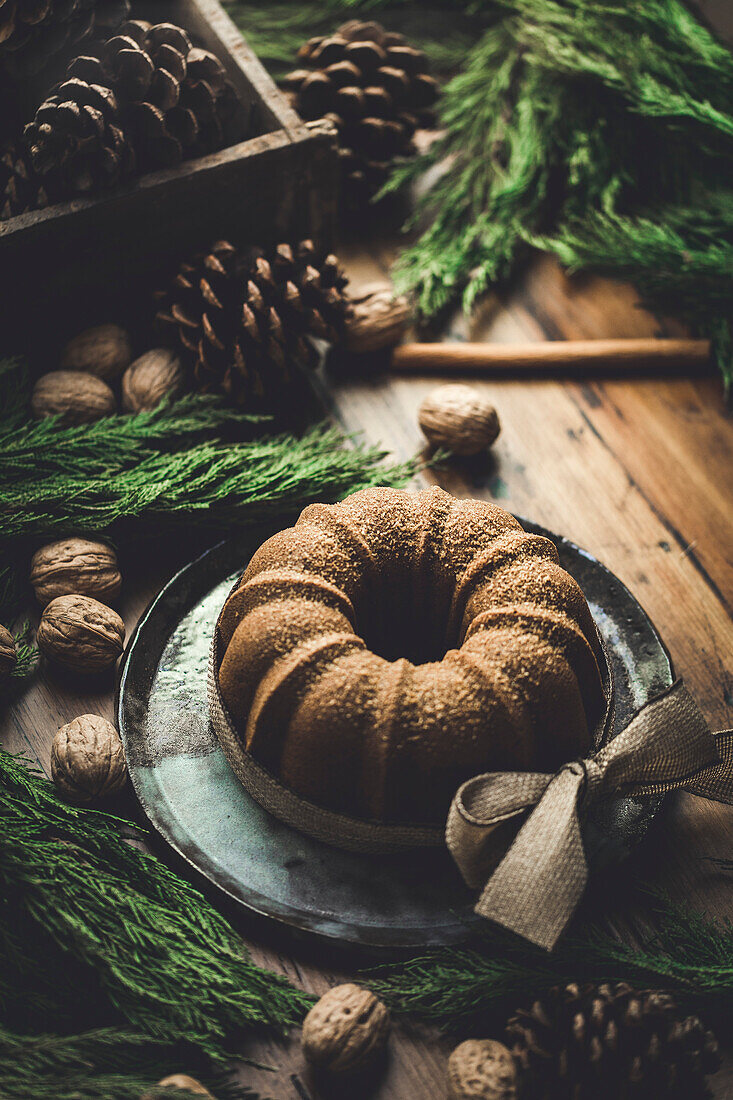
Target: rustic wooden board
x=638, y=471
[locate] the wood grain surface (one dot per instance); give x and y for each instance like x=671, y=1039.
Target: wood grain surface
x=639, y=472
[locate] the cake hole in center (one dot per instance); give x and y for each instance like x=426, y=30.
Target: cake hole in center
x=398, y=627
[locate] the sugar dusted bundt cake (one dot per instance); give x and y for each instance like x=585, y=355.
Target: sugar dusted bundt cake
x=385, y=649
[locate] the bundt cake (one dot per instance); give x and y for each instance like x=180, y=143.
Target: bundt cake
x=385, y=649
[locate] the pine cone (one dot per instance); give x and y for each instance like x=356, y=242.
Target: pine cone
x=33, y=31
x=144, y=99
x=376, y=90
x=609, y=1042
x=76, y=144
x=20, y=188
x=243, y=320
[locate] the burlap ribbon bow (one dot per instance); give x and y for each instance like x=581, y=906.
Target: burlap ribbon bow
x=538, y=883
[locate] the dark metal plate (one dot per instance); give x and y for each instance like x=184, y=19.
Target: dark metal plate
x=193, y=798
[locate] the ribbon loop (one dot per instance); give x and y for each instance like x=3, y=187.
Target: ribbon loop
x=519, y=835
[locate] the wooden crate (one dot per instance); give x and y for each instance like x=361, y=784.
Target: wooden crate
x=81, y=260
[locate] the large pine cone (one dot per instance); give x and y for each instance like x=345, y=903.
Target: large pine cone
x=144, y=99
x=608, y=1042
x=243, y=319
x=376, y=90
x=33, y=31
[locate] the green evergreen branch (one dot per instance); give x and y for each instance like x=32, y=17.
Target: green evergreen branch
x=26, y=651
x=92, y=922
x=105, y=1062
x=214, y=484
x=603, y=133
x=47, y=447
x=174, y=464
x=15, y=392
x=458, y=988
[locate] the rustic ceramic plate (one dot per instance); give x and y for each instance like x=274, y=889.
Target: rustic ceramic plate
x=192, y=797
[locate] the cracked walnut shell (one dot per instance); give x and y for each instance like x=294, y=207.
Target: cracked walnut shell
x=481, y=1069
x=79, y=566
x=345, y=1029
x=459, y=418
x=81, y=634
x=87, y=759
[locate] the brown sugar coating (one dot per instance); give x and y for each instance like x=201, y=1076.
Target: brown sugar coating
x=391, y=646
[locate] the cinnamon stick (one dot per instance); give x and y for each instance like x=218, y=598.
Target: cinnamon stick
x=553, y=356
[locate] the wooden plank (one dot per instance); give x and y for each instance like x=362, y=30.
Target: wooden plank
x=640, y=473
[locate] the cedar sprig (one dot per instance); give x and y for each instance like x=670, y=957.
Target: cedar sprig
x=99, y=1063
x=94, y=929
x=214, y=484
x=47, y=447
x=15, y=393
x=458, y=988
x=172, y=464
x=26, y=651
x=583, y=128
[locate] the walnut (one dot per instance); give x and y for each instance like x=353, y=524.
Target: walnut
x=77, y=397
x=345, y=1029
x=153, y=376
x=183, y=1081
x=104, y=351
x=8, y=655
x=459, y=418
x=178, y=1081
x=376, y=320
x=75, y=565
x=481, y=1069
x=81, y=634
x=87, y=759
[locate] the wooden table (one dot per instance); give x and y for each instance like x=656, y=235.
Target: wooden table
x=638, y=471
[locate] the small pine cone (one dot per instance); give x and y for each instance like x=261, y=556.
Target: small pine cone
x=76, y=145
x=610, y=1042
x=376, y=90
x=143, y=99
x=243, y=319
x=34, y=31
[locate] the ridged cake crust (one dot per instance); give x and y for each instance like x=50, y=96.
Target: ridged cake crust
x=389, y=647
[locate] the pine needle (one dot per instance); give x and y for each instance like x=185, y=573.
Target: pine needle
x=173, y=465
x=94, y=932
x=26, y=652
x=215, y=484
x=101, y=1063
x=600, y=132
x=458, y=988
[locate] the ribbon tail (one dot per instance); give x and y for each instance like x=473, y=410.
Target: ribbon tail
x=538, y=884
x=716, y=782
